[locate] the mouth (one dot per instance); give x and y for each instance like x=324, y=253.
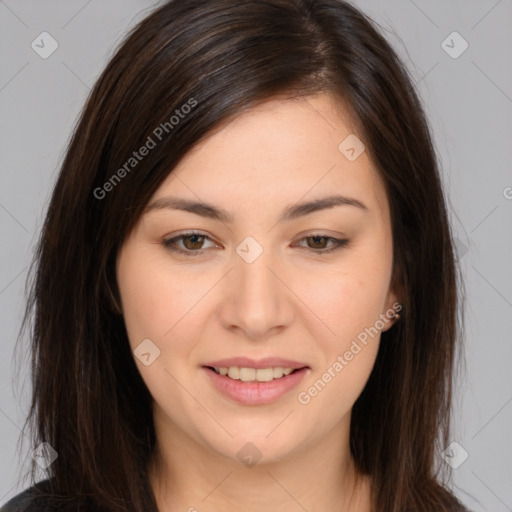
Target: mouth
x=245, y=374
x=257, y=384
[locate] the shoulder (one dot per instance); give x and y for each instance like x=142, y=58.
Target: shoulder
x=35, y=499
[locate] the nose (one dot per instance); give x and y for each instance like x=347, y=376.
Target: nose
x=256, y=300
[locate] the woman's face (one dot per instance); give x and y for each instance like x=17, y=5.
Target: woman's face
x=257, y=282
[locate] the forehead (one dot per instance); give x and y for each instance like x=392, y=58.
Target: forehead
x=280, y=151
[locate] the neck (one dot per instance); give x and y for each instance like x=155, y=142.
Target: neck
x=186, y=475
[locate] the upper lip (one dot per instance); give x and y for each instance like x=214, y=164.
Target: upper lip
x=266, y=362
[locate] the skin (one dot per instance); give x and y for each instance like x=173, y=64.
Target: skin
x=290, y=302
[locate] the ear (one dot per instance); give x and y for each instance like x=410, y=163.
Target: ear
x=393, y=306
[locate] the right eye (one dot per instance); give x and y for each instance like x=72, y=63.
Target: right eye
x=192, y=242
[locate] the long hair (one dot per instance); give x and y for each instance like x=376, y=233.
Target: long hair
x=219, y=58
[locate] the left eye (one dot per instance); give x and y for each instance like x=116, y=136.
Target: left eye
x=336, y=243
x=192, y=243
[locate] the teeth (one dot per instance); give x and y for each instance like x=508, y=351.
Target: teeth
x=278, y=372
x=253, y=374
x=234, y=372
x=246, y=374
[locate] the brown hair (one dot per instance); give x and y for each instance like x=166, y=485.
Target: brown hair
x=221, y=57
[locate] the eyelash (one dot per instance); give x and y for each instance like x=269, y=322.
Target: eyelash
x=169, y=244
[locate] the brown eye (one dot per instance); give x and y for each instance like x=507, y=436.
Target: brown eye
x=192, y=243
x=319, y=242
x=195, y=241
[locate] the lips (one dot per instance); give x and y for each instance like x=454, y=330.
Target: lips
x=267, y=362
x=255, y=393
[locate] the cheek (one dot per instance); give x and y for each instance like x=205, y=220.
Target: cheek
x=329, y=395
x=349, y=300
x=153, y=303
x=141, y=304
x=350, y=306
x=152, y=299
x=350, y=303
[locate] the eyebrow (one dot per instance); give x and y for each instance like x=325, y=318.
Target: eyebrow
x=291, y=212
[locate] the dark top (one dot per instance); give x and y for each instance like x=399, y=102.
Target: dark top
x=37, y=499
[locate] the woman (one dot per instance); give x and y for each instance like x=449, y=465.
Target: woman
x=246, y=296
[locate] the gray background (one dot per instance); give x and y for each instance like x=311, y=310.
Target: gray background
x=468, y=100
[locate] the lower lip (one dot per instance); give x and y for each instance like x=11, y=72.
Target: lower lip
x=255, y=393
